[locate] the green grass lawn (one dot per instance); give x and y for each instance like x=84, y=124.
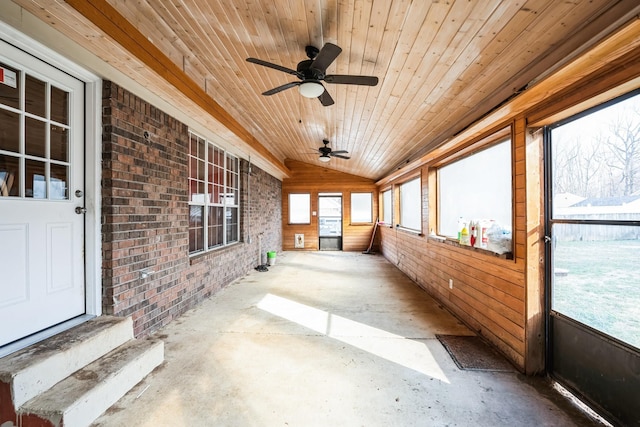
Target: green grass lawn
x=602, y=287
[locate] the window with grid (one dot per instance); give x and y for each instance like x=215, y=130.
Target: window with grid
x=214, y=190
x=35, y=137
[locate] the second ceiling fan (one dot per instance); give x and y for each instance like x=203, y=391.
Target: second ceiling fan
x=313, y=71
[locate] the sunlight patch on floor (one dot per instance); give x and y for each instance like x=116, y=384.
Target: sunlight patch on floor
x=403, y=351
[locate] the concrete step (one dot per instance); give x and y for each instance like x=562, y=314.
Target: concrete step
x=34, y=369
x=80, y=398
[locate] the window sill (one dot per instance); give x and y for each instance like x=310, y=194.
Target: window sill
x=454, y=242
x=199, y=257
x=409, y=230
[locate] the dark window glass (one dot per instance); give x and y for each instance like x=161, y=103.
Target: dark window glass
x=196, y=229
x=232, y=225
x=35, y=185
x=215, y=227
x=9, y=131
x=10, y=89
x=59, y=143
x=59, y=105
x=35, y=96
x=59, y=182
x=35, y=137
x=9, y=176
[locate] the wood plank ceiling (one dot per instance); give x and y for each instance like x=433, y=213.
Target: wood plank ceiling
x=441, y=64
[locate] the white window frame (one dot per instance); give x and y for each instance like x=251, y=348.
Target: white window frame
x=231, y=167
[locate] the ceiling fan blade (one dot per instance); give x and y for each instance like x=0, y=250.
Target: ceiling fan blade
x=340, y=156
x=281, y=88
x=340, y=152
x=274, y=66
x=326, y=99
x=327, y=55
x=351, y=80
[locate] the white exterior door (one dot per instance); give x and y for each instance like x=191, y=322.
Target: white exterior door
x=41, y=187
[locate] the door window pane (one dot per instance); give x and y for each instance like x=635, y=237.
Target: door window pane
x=59, y=179
x=9, y=131
x=596, y=279
x=299, y=208
x=59, y=144
x=10, y=89
x=330, y=216
x=35, y=181
x=59, y=105
x=35, y=138
x=35, y=96
x=9, y=176
x=361, y=207
x=596, y=163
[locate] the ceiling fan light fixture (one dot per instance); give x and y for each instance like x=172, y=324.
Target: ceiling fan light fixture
x=312, y=89
x=324, y=159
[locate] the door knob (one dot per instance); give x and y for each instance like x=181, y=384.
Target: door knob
x=80, y=210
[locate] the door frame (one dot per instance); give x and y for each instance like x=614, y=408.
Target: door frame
x=93, y=197
x=595, y=367
x=338, y=238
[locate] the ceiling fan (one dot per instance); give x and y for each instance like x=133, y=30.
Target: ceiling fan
x=313, y=71
x=326, y=153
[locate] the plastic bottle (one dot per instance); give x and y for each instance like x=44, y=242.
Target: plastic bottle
x=473, y=233
x=460, y=225
x=482, y=233
x=464, y=235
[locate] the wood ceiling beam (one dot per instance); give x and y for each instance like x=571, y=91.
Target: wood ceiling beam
x=116, y=26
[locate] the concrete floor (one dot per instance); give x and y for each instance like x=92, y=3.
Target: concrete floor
x=328, y=339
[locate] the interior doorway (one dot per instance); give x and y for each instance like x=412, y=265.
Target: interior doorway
x=330, y=222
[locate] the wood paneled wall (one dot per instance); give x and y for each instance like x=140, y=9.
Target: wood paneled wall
x=502, y=299
x=307, y=178
x=488, y=292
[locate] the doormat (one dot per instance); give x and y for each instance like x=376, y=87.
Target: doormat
x=473, y=354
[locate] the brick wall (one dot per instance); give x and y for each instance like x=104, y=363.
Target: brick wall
x=145, y=217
